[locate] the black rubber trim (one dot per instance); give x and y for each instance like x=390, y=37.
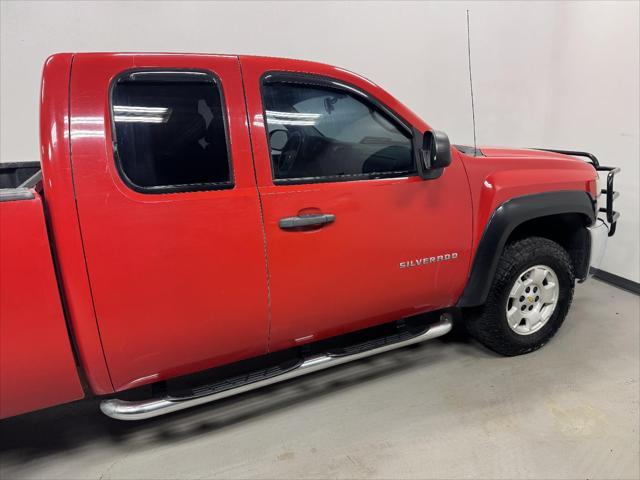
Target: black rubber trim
x=397, y=337
x=581, y=264
x=236, y=381
x=171, y=75
x=469, y=151
x=312, y=79
x=616, y=280
x=504, y=220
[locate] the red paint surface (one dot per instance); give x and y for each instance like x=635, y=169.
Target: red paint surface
x=506, y=173
x=346, y=275
x=179, y=279
x=37, y=369
x=63, y=219
x=158, y=286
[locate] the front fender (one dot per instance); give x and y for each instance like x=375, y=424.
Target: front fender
x=505, y=218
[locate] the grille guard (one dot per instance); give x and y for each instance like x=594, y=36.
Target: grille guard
x=611, y=215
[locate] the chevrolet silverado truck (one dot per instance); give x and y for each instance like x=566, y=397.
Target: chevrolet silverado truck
x=205, y=225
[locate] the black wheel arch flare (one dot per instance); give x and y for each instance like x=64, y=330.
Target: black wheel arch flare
x=504, y=220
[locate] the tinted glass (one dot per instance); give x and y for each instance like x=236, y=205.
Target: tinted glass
x=331, y=134
x=170, y=133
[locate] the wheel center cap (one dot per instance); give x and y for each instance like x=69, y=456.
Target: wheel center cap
x=530, y=299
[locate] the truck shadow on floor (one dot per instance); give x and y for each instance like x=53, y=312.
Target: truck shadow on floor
x=67, y=428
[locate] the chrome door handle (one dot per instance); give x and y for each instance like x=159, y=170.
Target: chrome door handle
x=302, y=221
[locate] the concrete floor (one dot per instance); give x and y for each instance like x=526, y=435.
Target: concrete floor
x=445, y=409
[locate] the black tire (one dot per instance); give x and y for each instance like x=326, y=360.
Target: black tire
x=488, y=323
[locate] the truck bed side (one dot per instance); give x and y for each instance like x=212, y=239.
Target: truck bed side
x=37, y=367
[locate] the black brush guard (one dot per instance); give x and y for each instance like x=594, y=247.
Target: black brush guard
x=611, y=215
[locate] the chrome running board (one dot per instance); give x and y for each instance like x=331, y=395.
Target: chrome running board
x=143, y=409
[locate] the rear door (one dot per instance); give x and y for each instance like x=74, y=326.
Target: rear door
x=169, y=212
x=354, y=236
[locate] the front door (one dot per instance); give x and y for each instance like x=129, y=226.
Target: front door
x=169, y=212
x=354, y=237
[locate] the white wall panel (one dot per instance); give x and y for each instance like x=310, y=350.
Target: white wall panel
x=558, y=74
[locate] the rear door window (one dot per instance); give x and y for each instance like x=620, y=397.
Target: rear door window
x=169, y=131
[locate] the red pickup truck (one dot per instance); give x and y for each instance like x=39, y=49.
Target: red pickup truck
x=204, y=225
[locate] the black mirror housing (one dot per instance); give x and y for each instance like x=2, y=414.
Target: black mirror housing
x=435, y=154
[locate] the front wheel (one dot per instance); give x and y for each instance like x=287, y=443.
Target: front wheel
x=528, y=300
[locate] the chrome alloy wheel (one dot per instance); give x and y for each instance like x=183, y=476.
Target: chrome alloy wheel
x=532, y=299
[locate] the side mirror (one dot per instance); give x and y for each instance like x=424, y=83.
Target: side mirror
x=435, y=154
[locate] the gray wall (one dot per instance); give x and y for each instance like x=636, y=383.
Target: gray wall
x=559, y=74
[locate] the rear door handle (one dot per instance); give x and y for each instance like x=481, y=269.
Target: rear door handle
x=302, y=221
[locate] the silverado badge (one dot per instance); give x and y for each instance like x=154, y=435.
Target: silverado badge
x=427, y=260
